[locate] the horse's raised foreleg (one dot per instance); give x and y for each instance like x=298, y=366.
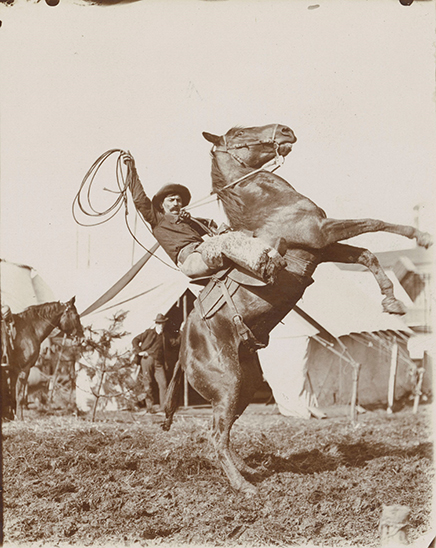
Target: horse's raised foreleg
x=329, y=231
x=341, y=253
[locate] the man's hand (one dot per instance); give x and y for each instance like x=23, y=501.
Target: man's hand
x=144, y=354
x=211, y=224
x=224, y=228
x=184, y=215
x=128, y=158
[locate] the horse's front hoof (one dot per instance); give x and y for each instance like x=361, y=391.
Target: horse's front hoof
x=424, y=239
x=391, y=305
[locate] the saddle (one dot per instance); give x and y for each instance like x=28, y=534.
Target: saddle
x=219, y=290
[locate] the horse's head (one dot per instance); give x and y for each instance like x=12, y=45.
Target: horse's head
x=254, y=146
x=70, y=320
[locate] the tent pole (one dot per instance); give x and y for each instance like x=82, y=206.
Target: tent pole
x=185, y=380
x=353, y=410
x=392, y=375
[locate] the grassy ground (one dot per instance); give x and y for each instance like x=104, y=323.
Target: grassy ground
x=122, y=481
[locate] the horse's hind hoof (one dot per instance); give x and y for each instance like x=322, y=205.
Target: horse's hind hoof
x=391, y=305
x=424, y=239
x=166, y=425
x=247, y=489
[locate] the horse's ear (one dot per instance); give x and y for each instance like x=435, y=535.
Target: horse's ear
x=215, y=139
x=72, y=300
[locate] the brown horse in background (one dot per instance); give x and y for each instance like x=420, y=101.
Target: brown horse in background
x=223, y=369
x=32, y=326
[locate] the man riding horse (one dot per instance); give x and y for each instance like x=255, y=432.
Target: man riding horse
x=181, y=235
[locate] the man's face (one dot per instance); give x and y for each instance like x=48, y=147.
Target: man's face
x=159, y=328
x=172, y=204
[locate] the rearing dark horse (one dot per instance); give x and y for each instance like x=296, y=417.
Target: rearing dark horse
x=32, y=326
x=217, y=364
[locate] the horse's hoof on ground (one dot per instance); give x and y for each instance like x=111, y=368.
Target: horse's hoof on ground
x=254, y=473
x=166, y=425
x=424, y=239
x=247, y=489
x=391, y=305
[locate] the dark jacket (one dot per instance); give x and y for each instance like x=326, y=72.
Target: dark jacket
x=155, y=344
x=151, y=342
x=172, y=234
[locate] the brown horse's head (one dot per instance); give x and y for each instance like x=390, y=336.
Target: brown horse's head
x=70, y=320
x=254, y=146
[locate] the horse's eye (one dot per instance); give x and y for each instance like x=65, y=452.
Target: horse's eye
x=239, y=134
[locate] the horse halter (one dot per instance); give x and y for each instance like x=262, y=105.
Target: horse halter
x=227, y=148
x=271, y=166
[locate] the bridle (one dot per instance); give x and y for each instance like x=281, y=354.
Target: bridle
x=270, y=166
x=228, y=148
x=69, y=307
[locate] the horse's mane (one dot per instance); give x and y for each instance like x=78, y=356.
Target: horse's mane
x=232, y=203
x=38, y=311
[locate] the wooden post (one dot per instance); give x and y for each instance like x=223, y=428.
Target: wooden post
x=393, y=525
x=185, y=380
x=353, y=411
x=392, y=375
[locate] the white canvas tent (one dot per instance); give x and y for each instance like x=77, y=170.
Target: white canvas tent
x=22, y=286
x=338, y=304
x=150, y=287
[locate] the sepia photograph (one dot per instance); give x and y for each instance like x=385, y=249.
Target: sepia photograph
x=216, y=259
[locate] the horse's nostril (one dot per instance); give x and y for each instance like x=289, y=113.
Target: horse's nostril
x=286, y=130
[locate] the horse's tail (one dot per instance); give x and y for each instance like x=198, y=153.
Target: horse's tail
x=172, y=396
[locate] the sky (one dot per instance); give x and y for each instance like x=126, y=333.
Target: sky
x=354, y=80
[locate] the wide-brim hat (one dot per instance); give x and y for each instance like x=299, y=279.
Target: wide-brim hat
x=160, y=318
x=171, y=188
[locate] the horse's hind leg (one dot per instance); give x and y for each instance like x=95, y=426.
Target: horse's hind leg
x=252, y=374
x=231, y=406
x=224, y=415
x=172, y=395
x=214, y=369
x=342, y=253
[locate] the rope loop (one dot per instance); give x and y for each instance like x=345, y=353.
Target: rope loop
x=82, y=201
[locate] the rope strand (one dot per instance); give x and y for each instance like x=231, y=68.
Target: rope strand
x=82, y=201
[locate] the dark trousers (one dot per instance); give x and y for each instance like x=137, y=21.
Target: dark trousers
x=151, y=369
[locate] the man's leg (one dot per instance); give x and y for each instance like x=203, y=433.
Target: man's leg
x=194, y=266
x=159, y=375
x=147, y=371
x=253, y=254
